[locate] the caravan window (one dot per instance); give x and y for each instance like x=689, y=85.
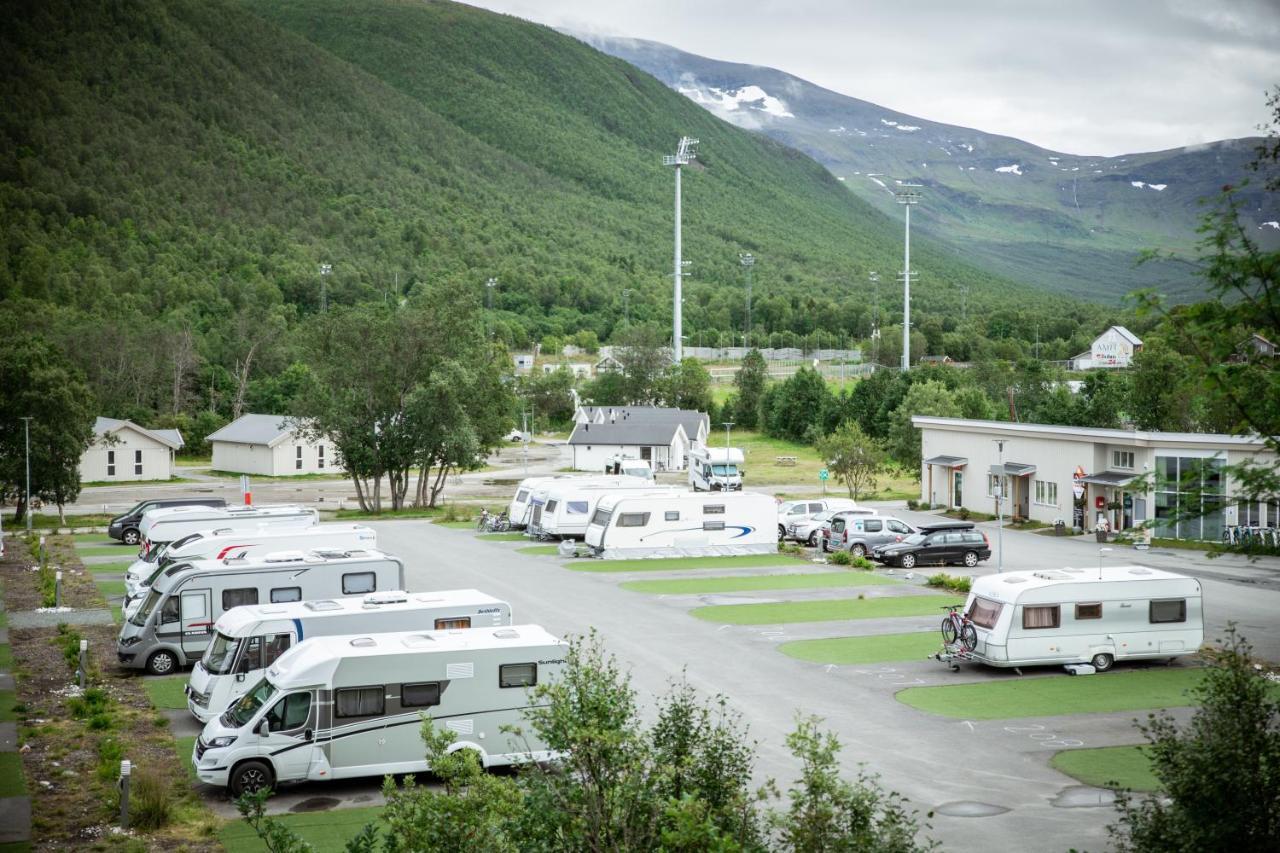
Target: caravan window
x=289, y=713
x=576, y=507
x=1089, y=611
x=1168, y=610
x=713, y=525
x=551, y=505
x=671, y=515
x=286, y=594
x=1041, y=616
x=985, y=612
x=358, y=582
x=602, y=517
x=713, y=509
x=238, y=597
x=359, y=702
x=522, y=496
x=420, y=695
x=518, y=675
x=633, y=519
x=453, y=624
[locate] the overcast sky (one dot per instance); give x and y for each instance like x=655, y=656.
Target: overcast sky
x=1078, y=76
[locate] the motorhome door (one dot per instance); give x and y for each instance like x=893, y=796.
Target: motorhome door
x=197, y=621
x=291, y=736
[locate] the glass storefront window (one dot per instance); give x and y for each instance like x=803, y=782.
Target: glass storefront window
x=1189, y=497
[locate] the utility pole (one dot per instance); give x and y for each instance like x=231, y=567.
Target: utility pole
x=26, y=425
x=748, y=261
x=1000, y=507
x=325, y=271
x=907, y=198
x=685, y=154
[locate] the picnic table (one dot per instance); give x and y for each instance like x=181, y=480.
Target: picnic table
x=789, y=461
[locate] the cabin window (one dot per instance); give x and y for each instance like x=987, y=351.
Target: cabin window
x=286, y=594
x=1046, y=493
x=420, y=695
x=518, y=675
x=633, y=519
x=111, y=465
x=276, y=646
x=713, y=525
x=1122, y=459
x=1168, y=610
x=522, y=496
x=169, y=613
x=602, y=517
x=359, y=702
x=239, y=597
x=358, y=582
x=551, y=505
x=1089, y=611
x=290, y=713
x=671, y=515
x=985, y=612
x=137, y=462
x=453, y=624
x=713, y=509
x=1041, y=616
x=297, y=460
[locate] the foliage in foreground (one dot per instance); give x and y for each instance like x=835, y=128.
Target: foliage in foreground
x=682, y=782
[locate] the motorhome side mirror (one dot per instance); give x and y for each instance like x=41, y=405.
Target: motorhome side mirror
x=308, y=735
x=239, y=676
x=264, y=728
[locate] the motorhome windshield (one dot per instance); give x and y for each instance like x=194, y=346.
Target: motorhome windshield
x=244, y=710
x=724, y=470
x=220, y=654
x=139, y=618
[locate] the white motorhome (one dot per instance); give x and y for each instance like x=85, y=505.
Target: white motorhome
x=566, y=507
x=716, y=469
x=247, y=640
x=249, y=537
x=161, y=526
x=350, y=706
x=173, y=625
x=1094, y=616
x=682, y=524
x=628, y=466
x=520, y=508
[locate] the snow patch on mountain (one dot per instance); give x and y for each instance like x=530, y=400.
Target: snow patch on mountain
x=1158, y=187
x=1014, y=169
x=1142, y=184
x=742, y=106
x=1138, y=184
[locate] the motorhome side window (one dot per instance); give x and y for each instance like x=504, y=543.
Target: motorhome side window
x=713, y=525
x=1168, y=610
x=420, y=695
x=276, y=646
x=357, y=582
x=286, y=594
x=291, y=712
x=522, y=496
x=551, y=505
x=517, y=675
x=671, y=515
x=453, y=624
x=359, y=702
x=239, y=597
x=713, y=509
x=633, y=519
x=1042, y=616
x=1089, y=611
x=985, y=612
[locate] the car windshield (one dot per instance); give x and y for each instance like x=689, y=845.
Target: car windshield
x=724, y=470
x=139, y=618
x=220, y=654
x=914, y=539
x=244, y=710
x=157, y=572
x=137, y=508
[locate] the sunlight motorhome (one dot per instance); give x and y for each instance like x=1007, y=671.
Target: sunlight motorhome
x=683, y=524
x=567, y=507
x=520, y=508
x=247, y=640
x=243, y=538
x=161, y=526
x=174, y=624
x=1094, y=616
x=715, y=469
x=343, y=707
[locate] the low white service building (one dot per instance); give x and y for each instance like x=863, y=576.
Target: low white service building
x=271, y=446
x=663, y=444
x=122, y=451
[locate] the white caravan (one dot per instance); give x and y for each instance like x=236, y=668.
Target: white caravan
x=343, y=707
x=1068, y=616
x=716, y=469
x=567, y=507
x=161, y=526
x=247, y=640
x=243, y=537
x=175, y=622
x=520, y=508
x=682, y=524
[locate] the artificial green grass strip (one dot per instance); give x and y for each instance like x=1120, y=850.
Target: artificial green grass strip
x=15, y=847
x=1109, y=767
x=184, y=747
x=881, y=648
x=109, y=568
x=540, y=550
x=678, y=563
x=12, y=783
x=103, y=551
x=166, y=693
x=111, y=589
x=749, y=583
x=503, y=537
x=1054, y=695
x=326, y=832
x=829, y=610
x=7, y=700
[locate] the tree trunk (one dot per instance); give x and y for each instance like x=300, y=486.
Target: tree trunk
x=420, y=490
x=20, y=509
x=242, y=381
x=437, y=486
x=62, y=515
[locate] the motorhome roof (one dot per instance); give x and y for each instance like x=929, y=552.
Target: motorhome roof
x=1007, y=586
x=239, y=619
x=609, y=502
x=280, y=560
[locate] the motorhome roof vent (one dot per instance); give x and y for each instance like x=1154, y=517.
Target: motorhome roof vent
x=1015, y=580
x=285, y=557
x=265, y=611
x=414, y=641
x=1050, y=575
x=1139, y=571
x=239, y=556
x=323, y=604
x=507, y=634
x=223, y=531
x=363, y=642
x=391, y=596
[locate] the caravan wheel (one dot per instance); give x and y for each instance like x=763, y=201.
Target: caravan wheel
x=1102, y=662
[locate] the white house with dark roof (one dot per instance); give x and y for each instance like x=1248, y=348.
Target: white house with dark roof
x=271, y=446
x=122, y=451
x=696, y=424
x=662, y=443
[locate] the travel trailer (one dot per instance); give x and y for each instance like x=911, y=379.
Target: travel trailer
x=565, y=507
x=682, y=524
x=247, y=640
x=520, y=508
x=161, y=526
x=350, y=706
x=243, y=539
x=715, y=469
x=173, y=625
x=1094, y=616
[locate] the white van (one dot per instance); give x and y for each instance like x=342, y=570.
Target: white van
x=343, y=707
x=790, y=512
x=682, y=524
x=716, y=469
x=1065, y=616
x=567, y=506
x=161, y=526
x=243, y=537
x=175, y=622
x=629, y=466
x=247, y=640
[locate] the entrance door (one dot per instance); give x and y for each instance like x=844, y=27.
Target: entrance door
x=957, y=489
x=197, y=621
x=291, y=739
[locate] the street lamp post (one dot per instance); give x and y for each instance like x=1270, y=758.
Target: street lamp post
x=748, y=261
x=686, y=151
x=727, y=426
x=907, y=197
x=26, y=425
x=1101, y=551
x=1000, y=507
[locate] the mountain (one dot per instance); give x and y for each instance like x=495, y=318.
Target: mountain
x=1074, y=224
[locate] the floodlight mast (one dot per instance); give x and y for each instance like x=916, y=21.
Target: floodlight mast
x=748, y=261
x=686, y=152
x=907, y=197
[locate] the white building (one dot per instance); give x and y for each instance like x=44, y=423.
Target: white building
x=1115, y=347
x=663, y=444
x=578, y=369
x=696, y=424
x=1082, y=475
x=523, y=361
x=123, y=451
x=270, y=445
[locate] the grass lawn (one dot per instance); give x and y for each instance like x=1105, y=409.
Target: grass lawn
x=109, y=568
x=326, y=832
x=184, y=747
x=193, y=461
x=831, y=610
x=1054, y=695
x=39, y=521
x=136, y=482
x=111, y=589
x=93, y=550
x=7, y=700
x=1109, y=767
x=234, y=475
x=166, y=693
x=540, y=550
x=691, y=586
x=11, y=781
x=511, y=536
x=761, y=452
x=676, y=563
x=386, y=514
x=856, y=650
x=457, y=525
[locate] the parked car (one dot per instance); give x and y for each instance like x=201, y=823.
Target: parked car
x=789, y=511
x=946, y=543
x=805, y=529
x=859, y=534
x=126, y=527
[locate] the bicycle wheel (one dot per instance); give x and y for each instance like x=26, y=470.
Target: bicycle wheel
x=948, y=630
x=968, y=637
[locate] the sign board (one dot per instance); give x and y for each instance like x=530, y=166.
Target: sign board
x=823, y=475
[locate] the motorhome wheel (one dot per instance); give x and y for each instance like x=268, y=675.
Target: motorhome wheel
x=1102, y=662
x=161, y=663
x=130, y=537
x=970, y=559
x=250, y=776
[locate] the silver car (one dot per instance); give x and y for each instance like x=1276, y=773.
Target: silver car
x=859, y=534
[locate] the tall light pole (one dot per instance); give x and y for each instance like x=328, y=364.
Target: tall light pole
x=1000, y=506
x=907, y=197
x=748, y=261
x=626, y=307
x=686, y=151
x=26, y=425
x=488, y=294
x=874, y=277
x=727, y=426
x=325, y=271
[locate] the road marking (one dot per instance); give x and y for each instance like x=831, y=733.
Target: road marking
x=970, y=725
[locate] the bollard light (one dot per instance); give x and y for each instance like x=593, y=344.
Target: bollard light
x=57, y=589
x=126, y=767
x=84, y=646
x=82, y=671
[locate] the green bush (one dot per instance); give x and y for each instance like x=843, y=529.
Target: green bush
x=456, y=512
x=68, y=640
x=840, y=558
x=110, y=753
x=912, y=504
x=150, y=803
x=862, y=563
x=946, y=581
x=963, y=513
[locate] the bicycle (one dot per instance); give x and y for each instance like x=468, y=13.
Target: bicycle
x=957, y=626
x=483, y=522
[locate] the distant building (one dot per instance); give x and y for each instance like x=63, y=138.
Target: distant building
x=579, y=370
x=1115, y=347
x=662, y=443
x=936, y=359
x=122, y=451
x=270, y=445
x=696, y=424
x=523, y=362
x=608, y=364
